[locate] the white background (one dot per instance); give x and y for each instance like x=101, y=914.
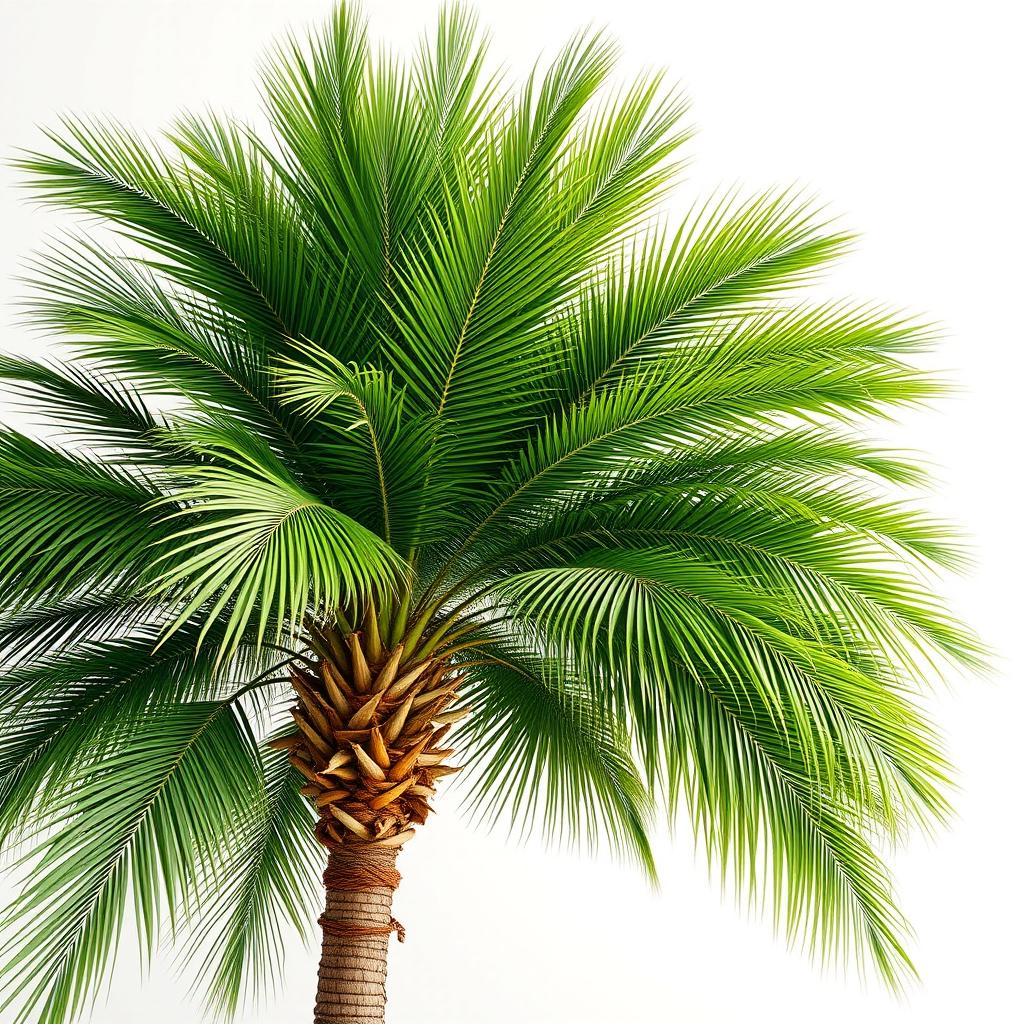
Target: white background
x=906, y=117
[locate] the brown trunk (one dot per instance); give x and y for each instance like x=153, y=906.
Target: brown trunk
x=357, y=925
x=370, y=723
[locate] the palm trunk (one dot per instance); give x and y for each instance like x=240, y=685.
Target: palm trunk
x=357, y=925
x=368, y=745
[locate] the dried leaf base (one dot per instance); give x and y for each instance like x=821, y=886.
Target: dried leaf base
x=370, y=728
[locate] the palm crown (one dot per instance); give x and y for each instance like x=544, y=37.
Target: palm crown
x=409, y=411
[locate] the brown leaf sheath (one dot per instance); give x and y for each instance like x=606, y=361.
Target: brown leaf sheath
x=369, y=739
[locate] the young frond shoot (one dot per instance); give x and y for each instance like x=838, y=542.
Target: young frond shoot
x=399, y=435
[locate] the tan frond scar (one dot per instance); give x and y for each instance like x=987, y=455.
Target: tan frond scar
x=340, y=747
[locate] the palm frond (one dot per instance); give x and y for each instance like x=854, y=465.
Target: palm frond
x=711, y=394
x=121, y=316
x=469, y=298
x=268, y=884
x=767, y=723
x=727, y=258
x=89, y=405
x=105, y=170
x=377, y=452
x=541, y=745
x=631, y=614
x=252, y=540
x=139, y=826
x=68, y=521
x=79, y=697
x=756, y=804
x=47, y=625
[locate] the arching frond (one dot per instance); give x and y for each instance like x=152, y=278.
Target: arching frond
x=59, y=706
x=545, y=748
x=728, y=258
x=127, y=322
x=138, y=826
x=199, y=238
x=84, y=402
x=267, y=885
x=68, y=522
x=253, y=541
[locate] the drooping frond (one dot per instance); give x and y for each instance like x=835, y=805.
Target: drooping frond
x=633, y=615
x=267, y=885
x=736, y=690
x=757, y=805
x=546, y=749
x=138, y=826
x=56, y=706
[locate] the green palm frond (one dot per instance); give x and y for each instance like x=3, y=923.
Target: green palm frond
x=728, y=258
x=121, y=316
x=829, y=890
x=633, y=616
x=59, y=705
x=254, y=541
x=68, y=521
x=47, y=625
x=138, y=826
x=544, y=746
x=380, y=451
x=459, y=356
x=89, y=405
x=267, y=884
x=196, y=235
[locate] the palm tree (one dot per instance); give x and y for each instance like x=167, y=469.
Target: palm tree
x=404, y=431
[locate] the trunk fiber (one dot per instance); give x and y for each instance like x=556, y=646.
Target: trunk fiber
x=357, y=925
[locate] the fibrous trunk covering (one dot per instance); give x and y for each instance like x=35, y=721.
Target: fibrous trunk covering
x=357, y=923
x=370, y=728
